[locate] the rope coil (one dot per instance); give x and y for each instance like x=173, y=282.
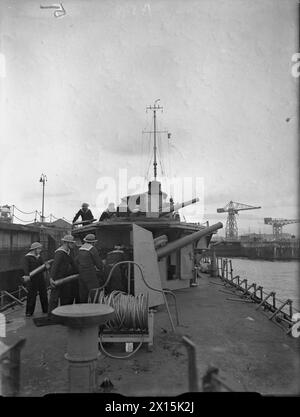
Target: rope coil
x=131, y=313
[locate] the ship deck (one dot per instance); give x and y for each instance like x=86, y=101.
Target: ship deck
x=249, y=350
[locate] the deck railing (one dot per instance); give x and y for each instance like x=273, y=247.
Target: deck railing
x=10, y=299
x=279, y=311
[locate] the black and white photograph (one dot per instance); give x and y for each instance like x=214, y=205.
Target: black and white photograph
x=149, y=210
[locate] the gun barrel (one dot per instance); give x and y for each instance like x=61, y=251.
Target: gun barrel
x=180, y=243
x=168, y=208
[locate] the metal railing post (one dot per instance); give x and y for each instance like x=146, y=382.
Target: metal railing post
x=254, y=289
x=265, y=299
x=279, y=309
x=291, y=309
x=274, y=301
x=231, y=270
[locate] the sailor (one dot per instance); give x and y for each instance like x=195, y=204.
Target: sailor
x=37, y=283
x=118, y=279
x=63, y=266
x=90, y=267
x=85, y=213
x=108, y=213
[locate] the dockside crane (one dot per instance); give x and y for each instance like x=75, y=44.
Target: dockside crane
x=278, y=224
x=232, y=208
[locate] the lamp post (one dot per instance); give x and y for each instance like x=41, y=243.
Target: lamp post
x=43, y=179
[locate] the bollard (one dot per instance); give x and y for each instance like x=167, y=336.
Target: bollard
x=83, y=321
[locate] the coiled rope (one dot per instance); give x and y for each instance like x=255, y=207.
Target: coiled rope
x=131, y=313
x=138, y=307
x=162, y=291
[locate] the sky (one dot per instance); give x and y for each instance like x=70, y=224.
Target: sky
x=74, y=92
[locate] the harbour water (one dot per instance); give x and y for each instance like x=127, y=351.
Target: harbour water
x=279, y=276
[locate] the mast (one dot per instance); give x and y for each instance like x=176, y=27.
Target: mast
x=154, y=108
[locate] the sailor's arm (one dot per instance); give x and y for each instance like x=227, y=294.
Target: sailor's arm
x=76, y=216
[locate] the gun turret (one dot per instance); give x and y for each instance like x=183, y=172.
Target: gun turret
x=183, y=241
x=169, y=208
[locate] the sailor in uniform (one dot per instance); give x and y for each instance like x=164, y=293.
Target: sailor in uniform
x=63, y=266
x=90, y=267
x=85, y=214
x=37, y=283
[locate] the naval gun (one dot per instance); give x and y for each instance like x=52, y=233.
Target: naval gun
x=186, y=240
x=166, y=264
x=150, y=204
x=170, y=208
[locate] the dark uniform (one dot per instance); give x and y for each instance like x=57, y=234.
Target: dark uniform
x=85, y=215
x=118, y=280
x=63, y=266
x=88, y=260
x=104, y=216
x=36, y=284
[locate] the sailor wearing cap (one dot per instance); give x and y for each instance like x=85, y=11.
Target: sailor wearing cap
x=89, y=263
x=85, y=213
x=63, y=266
x=37, y=283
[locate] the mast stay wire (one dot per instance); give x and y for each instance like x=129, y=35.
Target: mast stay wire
x=148, y=154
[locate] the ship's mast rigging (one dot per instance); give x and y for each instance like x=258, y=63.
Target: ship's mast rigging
x=154, y=108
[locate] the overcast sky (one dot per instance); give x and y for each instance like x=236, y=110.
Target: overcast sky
x=74, y=92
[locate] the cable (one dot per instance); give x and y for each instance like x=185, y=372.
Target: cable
x=24, y=212
x=162, y=291
x=131, y=312
x=24, y=221
x=118, y=357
